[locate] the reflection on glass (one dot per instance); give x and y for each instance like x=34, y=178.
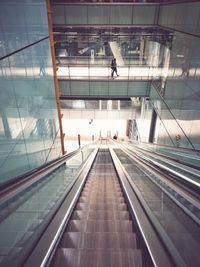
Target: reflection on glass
x=28, y=111
x=25, y=216
x=187, y=239
x=88, y=52
x=98, y=46
x=23, y=22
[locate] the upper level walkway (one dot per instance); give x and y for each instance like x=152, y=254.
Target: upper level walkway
x=125, y=72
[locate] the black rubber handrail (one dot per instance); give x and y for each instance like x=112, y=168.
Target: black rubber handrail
x=20, y=183
x=165, y=155
x=43, y=250
x=187, y=198
x=181, y=149
x=143, y=216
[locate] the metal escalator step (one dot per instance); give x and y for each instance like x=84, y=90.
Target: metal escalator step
x=106, y=179
x=103, y=177
x=99, y=240
x=102, y=191
x=110, y=182
x=102, y=194
x=92, y=199
x=100, y=184
x=97, y=186
x=99, y=206
x=92, y=226
x=103, y=186
x=98, y=258
x=101, y=215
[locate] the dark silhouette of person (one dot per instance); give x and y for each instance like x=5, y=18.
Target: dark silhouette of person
x=42, y=67
x=115, y=137
x=114, y=67
x=185, y=70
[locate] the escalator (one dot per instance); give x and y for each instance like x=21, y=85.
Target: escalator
x=100, y=231
x=100, y=208
x=27, y=206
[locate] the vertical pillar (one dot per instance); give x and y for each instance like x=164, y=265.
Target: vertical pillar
x=57, y=93
x=152, y=126
x=79, y=140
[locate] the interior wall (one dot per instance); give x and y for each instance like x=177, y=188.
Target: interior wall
x=177, y=103
x=28, y=115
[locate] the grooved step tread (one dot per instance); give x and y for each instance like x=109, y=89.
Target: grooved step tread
x=93, y=199
x=100, y=215
x=110, y=183
x=95, y=226
x=94, y=188
x=99, y=240
x=101, y=194
x=97, y=258
x=99, y=206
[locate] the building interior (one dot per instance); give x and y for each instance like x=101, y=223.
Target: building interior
x=99, y=161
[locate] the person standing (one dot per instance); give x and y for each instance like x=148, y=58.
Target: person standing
x=114, y=67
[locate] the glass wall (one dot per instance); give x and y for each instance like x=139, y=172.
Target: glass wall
x=104, y=88
x=29, y=130
x=181, y=16
x=176, y=95
x=97, y=46
x=25, y=216
x=88, y=37
x=22, y=23
x=88, y=52
x=96, y=104
x=104, y=14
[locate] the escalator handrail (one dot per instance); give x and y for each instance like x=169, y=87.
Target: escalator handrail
x=20, y=183
x=44, y=250
x=192, y=199
x=166, y=254
x=185, y=152
x=182, y=149
x=182, y=166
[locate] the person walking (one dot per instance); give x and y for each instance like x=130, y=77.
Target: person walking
x=114, y=67
x=42, y=67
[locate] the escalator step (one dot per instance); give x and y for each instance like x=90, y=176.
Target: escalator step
x=99, y=240
x=107, y=200
x=98, y=182
x=110, y=183
x=101, y=194
x=101, y=215
x=101, y=189
x=98, y=206
x=92, y=226
x=98, y=258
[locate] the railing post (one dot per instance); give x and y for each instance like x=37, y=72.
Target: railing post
x=57, y=93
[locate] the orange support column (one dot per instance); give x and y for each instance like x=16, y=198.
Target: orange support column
x=49, y=12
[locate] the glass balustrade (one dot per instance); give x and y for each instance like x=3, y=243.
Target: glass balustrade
x=23, y=217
